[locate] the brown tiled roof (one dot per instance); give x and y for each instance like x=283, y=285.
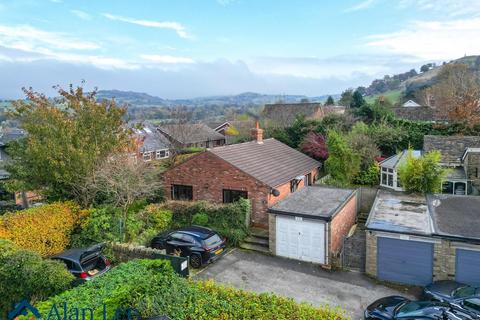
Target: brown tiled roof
x=284, y=114
x=270, y=162
x=423, y=113
x=451, y=147
x=190, y=133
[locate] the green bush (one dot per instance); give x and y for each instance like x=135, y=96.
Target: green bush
x=229, y=220
x=200, y=219
x=25, y=275
x=152, y=288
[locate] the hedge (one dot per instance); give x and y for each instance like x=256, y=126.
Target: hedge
x=230, y=220
x=25, y=275
x=45, y=230
x=151, y=288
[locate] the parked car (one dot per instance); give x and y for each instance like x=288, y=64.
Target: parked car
x=202, y=245
x=85, y=263
x=396, y=307
x=470, y=306
x=449, y=291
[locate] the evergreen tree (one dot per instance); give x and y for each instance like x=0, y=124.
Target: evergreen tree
x=357, y=100
x=330, y=101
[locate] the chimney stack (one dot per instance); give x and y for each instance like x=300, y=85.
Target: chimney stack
x=257, y=133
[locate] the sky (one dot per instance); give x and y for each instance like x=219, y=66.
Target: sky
x=191, y=48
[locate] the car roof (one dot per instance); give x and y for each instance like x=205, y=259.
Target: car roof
x=197, y=231
x=76, y=254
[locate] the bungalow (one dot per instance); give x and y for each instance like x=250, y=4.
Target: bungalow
x=264, y=171
x=151, y=144
x=196, y=135
x=461, y=155
x=416, y=239
x=302, y=221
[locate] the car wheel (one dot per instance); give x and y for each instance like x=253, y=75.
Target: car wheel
x=158, y=245
x=195, y=261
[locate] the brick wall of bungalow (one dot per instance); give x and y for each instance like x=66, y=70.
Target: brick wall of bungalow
x=209, y=175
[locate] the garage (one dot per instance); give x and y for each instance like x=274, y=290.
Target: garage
x=466, y=267
x=405, y=261
x=310, y=224
x=301, y=239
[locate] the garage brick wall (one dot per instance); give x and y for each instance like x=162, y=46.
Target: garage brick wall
x=371, y=254
x=341, y=224
x=209, y=175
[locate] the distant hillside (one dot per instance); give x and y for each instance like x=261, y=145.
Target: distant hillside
x=405, y=85
x=137, y=99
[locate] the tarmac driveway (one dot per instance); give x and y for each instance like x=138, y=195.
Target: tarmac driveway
x=299, y=280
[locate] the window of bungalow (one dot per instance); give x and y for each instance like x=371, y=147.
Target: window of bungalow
x=182, y=192
x=230, y=196
x=147, y=156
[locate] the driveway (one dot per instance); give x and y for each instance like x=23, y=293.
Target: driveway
x=299, y=280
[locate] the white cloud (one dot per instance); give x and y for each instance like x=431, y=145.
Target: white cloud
x=177, y=27
x=449, y=7
x=81, y=14
x=431, y=40
x=167, y=59
x=31, y=39
x=361, y=6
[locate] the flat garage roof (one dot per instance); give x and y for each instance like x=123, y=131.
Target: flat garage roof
x=400, y=213
x=314, y=202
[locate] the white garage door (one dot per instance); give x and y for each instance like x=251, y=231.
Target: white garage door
x=300, y=239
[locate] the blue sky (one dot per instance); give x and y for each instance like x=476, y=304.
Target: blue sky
x=189, y=48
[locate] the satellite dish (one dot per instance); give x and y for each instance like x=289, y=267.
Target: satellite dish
x=275, y=192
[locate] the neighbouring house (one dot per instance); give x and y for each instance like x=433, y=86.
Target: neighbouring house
x=410, y=104
x=284, y=114
x=311, y=224
x=389, y=177
x=461, y=155
x=263, y=171
x=152, y=145
x=233, y=129
x=196, y=135
x=412, y=239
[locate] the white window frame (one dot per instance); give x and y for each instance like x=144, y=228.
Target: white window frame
x=393, y=175
x=147, y=156
x=158, y=154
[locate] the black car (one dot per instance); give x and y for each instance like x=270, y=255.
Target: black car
x=449, y=291
x=470, y=306
x=202, y=245
x=85, y=263
x=396, y=307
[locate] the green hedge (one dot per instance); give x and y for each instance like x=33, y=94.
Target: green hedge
x=229, y=220
x=152, y=288
x=26, y=275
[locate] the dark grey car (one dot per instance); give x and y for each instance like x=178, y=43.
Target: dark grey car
x=85, y=263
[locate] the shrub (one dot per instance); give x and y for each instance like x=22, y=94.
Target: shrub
x=153, y=289
x=46, y=229
x=102, y=224
x=229, y=220
x=370, y=176
x=343, y=164
x=25, y=275
x=200, y=219
x=423, y=174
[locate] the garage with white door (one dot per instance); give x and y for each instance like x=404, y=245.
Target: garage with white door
x=310, y=224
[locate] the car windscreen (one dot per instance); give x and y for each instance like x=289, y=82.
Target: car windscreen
x=212, y=241
x=465, y=292
x=413, y=308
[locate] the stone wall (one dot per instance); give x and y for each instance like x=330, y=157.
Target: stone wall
x=443, y=261
x=473, y=168
x=371, y=254
x=272, y=233
x=366, y=197
x=124, y=252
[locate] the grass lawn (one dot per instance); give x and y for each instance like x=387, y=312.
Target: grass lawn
x=392, y=95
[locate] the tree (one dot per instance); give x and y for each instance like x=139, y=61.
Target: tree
x=346, y=98
x=343, y=164
x=121, y=180
x=314, y=145
x=422, y=174
x=424, y=68
x=457, y=94
x=330, y=101
x=66, y=139
x=357, y=100
x=364, y=146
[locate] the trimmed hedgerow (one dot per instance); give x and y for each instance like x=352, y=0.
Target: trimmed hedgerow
x=153, y=289
x=45, y=230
